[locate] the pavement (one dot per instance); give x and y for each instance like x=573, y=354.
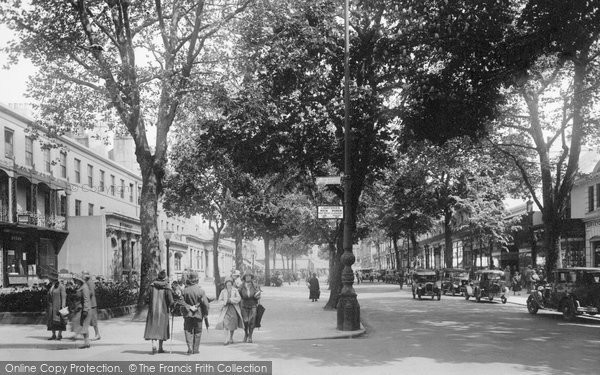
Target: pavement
x=289, y=315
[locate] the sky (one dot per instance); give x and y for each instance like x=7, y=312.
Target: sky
x=13, y=82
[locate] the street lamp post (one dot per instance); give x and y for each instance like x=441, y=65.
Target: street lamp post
x=168, y=234
x=348, y=309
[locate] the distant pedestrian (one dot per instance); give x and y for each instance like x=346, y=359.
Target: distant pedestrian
x=516, y=283
x=250, y=293
x=357, y=277
x=230, y=317
x=80, y=322
x=93, y=303
x=196, y=303
x=57, y=299
x=160, y=299
x=314, y=289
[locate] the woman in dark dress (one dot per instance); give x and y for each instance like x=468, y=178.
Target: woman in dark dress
x=80, y=323
x=314, y=289
x=160, y=299
x=250, y=293
x=57, y=299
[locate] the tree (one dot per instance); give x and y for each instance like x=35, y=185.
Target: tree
x=205, y=182
x=90, y=67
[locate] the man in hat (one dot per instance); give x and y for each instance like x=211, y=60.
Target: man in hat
x=196, y=308
x=93, y=304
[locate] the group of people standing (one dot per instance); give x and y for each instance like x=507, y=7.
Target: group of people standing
x=84, y=310
x=240, y=299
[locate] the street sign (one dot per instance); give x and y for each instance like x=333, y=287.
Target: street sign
x=330, y=212
x=330, y=180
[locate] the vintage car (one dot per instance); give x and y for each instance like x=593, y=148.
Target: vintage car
x=573, y=292
x=487, y=284
x=425, y=283
x=454, y=281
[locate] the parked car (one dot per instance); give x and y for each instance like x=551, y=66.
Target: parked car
x=425, y=283
x=487, y=284
x=454, y=281
x=574, y=291
x=391, y=277
x=367, y=274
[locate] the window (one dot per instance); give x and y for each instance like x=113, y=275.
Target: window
x=131, y=192
x=8, y=143
x=90, y=209
x=29, y=151
x=77, y=207
x=47, y=162
x=591, y=199
x=90, y=171
x=112, y=184
x=139, y=195
x=101, y=180
x=177, y=261
x=63, y=205
x=597, y=195
x=63, y=164
x=78, y=171
x=122, y=188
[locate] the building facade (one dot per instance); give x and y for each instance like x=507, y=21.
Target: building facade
x=585, y=204
x=73, y=207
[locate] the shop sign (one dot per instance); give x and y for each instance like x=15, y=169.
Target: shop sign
x=17, y=279
x=330, y=212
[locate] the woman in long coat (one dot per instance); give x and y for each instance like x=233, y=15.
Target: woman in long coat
x=80, y=323
x=314, y=288
x=230, y=317
x=160, y=300
x=57, y=299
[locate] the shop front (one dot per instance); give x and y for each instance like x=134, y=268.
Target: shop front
x=29, y=254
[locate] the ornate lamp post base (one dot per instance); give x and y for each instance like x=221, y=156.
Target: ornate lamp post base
x=348, y=312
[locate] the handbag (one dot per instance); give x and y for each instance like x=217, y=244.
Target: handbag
x=260, y=310
x=64, y=312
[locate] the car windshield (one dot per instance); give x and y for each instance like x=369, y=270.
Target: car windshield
x=494, y=276
x=426, y=278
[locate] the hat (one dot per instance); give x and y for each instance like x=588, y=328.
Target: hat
x=237, y=273
x=192, y=277
x=229, y=280
x=162, y=275
x=86, y=275
x=248, y=273
x=78, y=277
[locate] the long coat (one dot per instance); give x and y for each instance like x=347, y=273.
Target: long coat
x=57, y=299
x=157, y=321
x=314, y=288
x=234, y=300
x=79, y=323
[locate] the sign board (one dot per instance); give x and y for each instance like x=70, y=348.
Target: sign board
x=330, y=180
x=330, y=212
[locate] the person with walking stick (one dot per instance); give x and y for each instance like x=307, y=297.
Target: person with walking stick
x=195, y=305
x=160, y=299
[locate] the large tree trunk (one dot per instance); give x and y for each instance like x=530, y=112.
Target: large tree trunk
x=397, y=252
x=216, y=273
x=266, y=240
x=335, y=272
x=150, y=263
x=239, y=256
x=448, y=237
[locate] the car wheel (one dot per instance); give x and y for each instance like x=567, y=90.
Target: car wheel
x=467, y=296
x=532, y=305
x=568, y=310
x=503, y=299
x=439, y=296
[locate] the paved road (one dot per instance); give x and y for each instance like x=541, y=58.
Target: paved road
x=451, y=336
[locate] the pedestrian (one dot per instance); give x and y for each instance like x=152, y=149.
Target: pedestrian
x=314, y=289
x=507, y=277
x=160, y=299
x=516, y=283
x=196, y=305
x=57, y=299
x=250, y=293
x=237, y=280
x=230, y=317
x=528, y=277
x=93, y=303
x=80, y=322
x=357, y=277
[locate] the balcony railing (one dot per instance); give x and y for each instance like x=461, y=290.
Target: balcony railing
x=45, y=221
